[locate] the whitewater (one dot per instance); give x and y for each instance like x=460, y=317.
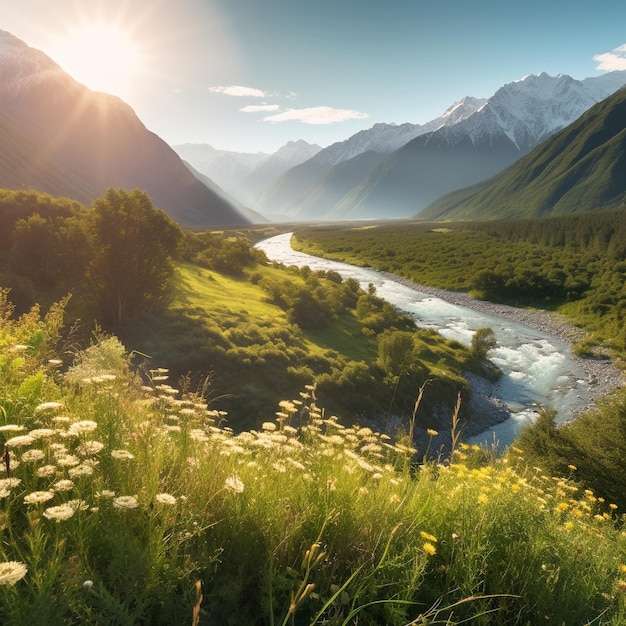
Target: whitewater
x=539, y=368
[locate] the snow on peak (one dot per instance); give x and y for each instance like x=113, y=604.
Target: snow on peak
x=531, y=109
x=382, y=138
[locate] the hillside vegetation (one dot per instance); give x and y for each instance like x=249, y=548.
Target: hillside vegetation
x=128, y=502
x=130, y=495
x=571, y=264
x=213, y=309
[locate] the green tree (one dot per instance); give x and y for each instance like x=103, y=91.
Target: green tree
x=132, y=248
x=483, y=340
x=396, y=351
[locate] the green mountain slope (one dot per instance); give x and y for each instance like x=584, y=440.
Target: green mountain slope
x=581, y=168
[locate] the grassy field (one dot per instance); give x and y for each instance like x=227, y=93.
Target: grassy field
x=126, y=501
x=226, y=329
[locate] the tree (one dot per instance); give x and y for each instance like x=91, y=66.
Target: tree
x=396, y=351
x=132, y=246
x=483, y=340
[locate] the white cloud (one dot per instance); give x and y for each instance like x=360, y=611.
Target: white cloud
x=255, y=108
x=316, y=115
x=239, y=90
x=614, y=60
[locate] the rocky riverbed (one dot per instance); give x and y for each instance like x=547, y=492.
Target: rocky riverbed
x=602, y=377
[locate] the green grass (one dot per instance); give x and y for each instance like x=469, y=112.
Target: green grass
x=254, y=355
x=126, y=498
x=345, y=337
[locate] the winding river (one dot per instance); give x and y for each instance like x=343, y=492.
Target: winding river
x=538, y=369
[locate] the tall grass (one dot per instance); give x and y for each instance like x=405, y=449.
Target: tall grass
x=126, y=501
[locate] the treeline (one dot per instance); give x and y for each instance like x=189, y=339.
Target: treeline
x=574, y=264
x=599, y=232
x=117, y=258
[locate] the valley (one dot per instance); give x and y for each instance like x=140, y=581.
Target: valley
x=373, y=379
x=538, y=368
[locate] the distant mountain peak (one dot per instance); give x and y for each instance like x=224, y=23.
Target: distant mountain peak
x=299, y=150
x=578, y=169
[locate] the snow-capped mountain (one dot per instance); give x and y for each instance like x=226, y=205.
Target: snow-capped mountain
x=530, y=110
x=386, y=138
x=473, y=139
x=580, y=169
x=244, y=174
x=58, y=136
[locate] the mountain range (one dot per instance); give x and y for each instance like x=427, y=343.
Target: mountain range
x=59, y=137
x=243, y=175
x=580, y=168
x=392, y=171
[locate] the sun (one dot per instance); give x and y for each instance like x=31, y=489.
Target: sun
x=102, y=56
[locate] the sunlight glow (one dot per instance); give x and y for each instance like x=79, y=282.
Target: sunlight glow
x=101, y=56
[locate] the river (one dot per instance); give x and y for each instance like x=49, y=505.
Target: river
x=539, y=370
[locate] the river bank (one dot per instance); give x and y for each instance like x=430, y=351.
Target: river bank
x=602, y=377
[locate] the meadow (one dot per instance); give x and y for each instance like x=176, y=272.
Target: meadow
x=262, y=334
x=126, y=500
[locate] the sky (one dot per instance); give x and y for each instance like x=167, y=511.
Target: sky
x=251, y=75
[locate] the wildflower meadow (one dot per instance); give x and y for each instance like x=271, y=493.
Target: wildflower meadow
x=125, y=499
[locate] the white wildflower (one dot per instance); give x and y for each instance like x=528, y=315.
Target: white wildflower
x=10, y=483
x=84, y=426
x=123, y=455
x=11, y=572
x=19, y=441
x=88, y=448
x=38, y=497
x=83, y=469
x=63, y=485
x=42, y=433
x=68, y=460
x=59, y=513
x=105, y=493
x=10, y=428
x=165, y=498
x=48, y=406
x=233, y=483
x=125, y=502
x=32, y=456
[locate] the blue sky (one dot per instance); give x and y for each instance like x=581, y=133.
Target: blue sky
x=250, y=75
